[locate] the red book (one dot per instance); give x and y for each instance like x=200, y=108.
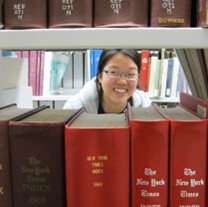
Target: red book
x=188, y=157
x=7, y=113
x=117, y=13
x=202, y=13
x=144, y=70
x=149, y=157
x=175, y=13
x=33, y=68
x=97, y=160
x=194, y=104
x=37, y=158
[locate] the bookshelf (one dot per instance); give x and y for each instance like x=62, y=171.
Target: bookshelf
x=85, y=38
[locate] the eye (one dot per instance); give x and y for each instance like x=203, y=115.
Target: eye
x=131, y=75
x=113, y=73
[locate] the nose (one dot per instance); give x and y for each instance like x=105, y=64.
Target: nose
x=121, y=79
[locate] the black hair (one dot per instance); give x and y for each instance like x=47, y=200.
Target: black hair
x=106, y=55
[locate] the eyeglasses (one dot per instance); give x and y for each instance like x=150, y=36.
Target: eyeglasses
x=128, y=76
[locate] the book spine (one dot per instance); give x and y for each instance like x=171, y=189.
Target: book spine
x=37, y=163
x=169, y=77
x=131, y=13
x=196, y=105
x=144, y=70
x=188, y=145
x=25, y=14
x=152, y=72
x=67, y=13
x=202, y=13
x=101, y=162
x=5, y=170
x=42, y=62
x=33, y=57
x=150, y=162
x=170, y=14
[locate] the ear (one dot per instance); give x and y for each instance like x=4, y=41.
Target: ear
x=100, y=77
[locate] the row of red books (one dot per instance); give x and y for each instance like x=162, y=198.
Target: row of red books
x=23, y=14
x=143, y=157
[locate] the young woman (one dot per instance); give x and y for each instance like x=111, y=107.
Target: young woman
x=116, y=84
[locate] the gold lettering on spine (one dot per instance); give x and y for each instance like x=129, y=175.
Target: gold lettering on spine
x=1, y=187
x=171, y=20
x=97, y=164
x=35, y=181
x=1, y=190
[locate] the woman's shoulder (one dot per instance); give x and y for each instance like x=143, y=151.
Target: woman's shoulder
x=141, y=99
x=73, y=102
x=87, y=98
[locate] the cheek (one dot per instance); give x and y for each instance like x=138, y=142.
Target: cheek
x=105, y=81
x=133, y=85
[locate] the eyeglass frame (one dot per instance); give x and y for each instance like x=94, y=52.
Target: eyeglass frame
x=115, y=74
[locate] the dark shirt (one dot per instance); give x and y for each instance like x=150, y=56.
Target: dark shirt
x=101, y=110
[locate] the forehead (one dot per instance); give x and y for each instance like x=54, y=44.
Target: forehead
x=121, y=60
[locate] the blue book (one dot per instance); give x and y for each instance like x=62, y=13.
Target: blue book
x=94, y=59
x=169, y=77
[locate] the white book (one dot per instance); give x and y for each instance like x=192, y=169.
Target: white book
x=78, y=70
x=22, y=96
x=153, y=67
x=15, y=72
x=47, y=73
x=163, y=78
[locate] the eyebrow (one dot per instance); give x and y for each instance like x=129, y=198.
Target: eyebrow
x=116, y=67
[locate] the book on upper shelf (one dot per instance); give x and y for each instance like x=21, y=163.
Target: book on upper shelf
x=70, y=13
x=188, y=157
x=25, y=14
x=8, y=113
x=202, y=13
x=37, y=158
x=131, y=13
x=175, y=13
x=149, y=157
x=1, y=15
x=97, y=157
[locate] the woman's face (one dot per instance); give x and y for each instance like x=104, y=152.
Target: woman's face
x=118, y=89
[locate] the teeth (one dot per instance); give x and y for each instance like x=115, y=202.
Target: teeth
x=120, y=90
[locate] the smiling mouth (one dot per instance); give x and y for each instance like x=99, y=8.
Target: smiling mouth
x=120, y=90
